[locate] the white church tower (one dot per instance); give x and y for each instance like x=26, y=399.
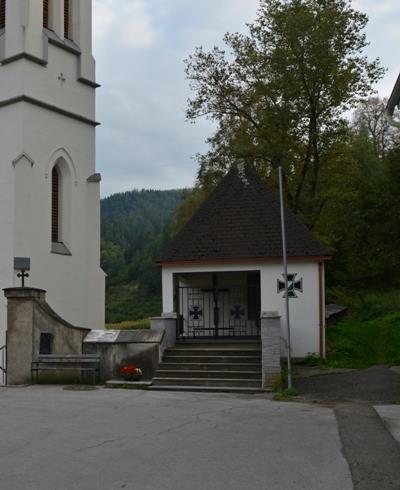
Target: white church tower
x=49, y=189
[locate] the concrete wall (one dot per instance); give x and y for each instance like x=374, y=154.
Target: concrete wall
x=28, y=316
x=36, y=64
x=143, y=355
x=115, y=347
x=305, y=309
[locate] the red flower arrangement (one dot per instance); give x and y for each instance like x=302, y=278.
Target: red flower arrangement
x=130, y=371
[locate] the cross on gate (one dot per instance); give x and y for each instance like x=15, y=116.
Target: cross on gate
x=196, y=312
x=216, y=290
x=293, y=285
x=23, y=274
x=237, y=311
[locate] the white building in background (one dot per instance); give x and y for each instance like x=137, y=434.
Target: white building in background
x=49, y=189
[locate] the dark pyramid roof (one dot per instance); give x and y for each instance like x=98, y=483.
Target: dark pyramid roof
x=241, y=220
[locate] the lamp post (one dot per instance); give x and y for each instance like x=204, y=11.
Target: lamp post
x=285, y=274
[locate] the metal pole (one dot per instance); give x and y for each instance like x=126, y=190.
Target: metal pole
x=285, y=273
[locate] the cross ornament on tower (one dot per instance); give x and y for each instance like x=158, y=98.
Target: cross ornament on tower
x=23, y=275
x=293, y=285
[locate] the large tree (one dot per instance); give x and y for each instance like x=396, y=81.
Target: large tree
x=370, y=117
x=279, y=96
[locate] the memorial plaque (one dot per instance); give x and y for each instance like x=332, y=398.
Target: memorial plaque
x=140, y=336
x=102, y=336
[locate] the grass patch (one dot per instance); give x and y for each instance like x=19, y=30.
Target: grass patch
x=143, y=324
x=366, y=305
x=356, y=343
x=285, y=395
x=124, y=302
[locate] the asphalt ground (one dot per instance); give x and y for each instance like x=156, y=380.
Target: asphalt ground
x=368, y=445
x=108, y=439
x=378, y=385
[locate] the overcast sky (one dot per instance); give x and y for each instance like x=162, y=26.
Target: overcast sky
x=144, y=140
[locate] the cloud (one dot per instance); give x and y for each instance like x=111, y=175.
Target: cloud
x=381, y=7
x=130, y=24
x=144, y=140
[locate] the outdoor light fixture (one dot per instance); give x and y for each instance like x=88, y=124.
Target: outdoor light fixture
x=22, y=264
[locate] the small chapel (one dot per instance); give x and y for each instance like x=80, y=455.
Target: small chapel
x=49, y=188
x=224, y=270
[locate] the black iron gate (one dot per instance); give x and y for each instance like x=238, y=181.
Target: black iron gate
x=219, y=312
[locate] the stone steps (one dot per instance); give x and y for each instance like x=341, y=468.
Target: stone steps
x=213, y=366
x=218, y=366
x=209, y=389
x=207, y=359
x=235, y=382
x=213, y=351
x=207, y=373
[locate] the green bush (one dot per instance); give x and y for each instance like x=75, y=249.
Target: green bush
x=143, y=324
x=356, y=343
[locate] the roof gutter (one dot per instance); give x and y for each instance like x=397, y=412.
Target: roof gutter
x=394, y=101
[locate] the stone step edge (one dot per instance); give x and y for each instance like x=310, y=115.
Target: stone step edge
x=211, y=389
x=212, y=357
x=211, y=364
x=193, y=371
x=230, y=380
x=211, y=349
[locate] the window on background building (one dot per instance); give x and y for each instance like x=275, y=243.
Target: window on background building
x=2, y=14
x=67, y=19
x=55, y=205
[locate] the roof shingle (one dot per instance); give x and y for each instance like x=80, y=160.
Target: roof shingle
x=241, y=220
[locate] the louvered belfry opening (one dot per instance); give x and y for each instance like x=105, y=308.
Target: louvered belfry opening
x=2, y=14
x=46, y=13
x=55, y=205
x=66, y=19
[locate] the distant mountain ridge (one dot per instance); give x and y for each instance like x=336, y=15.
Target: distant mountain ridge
x=134, y=228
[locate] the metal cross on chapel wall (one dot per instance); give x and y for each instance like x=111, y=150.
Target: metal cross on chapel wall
x=293, y=285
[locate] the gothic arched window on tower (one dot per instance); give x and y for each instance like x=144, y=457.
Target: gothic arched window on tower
x=61, y=198
x=55, y=205
x=2, y=14
x=67, y=19
x=48, y=14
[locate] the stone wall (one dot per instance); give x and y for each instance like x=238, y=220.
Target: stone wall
x=116, y=347
x=271, y=349
x=28, y=316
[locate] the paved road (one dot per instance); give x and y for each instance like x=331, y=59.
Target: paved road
x=111, y=439
x=371, y=450
x=376, y=385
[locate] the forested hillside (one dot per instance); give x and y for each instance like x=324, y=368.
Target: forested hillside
x=134, y=227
